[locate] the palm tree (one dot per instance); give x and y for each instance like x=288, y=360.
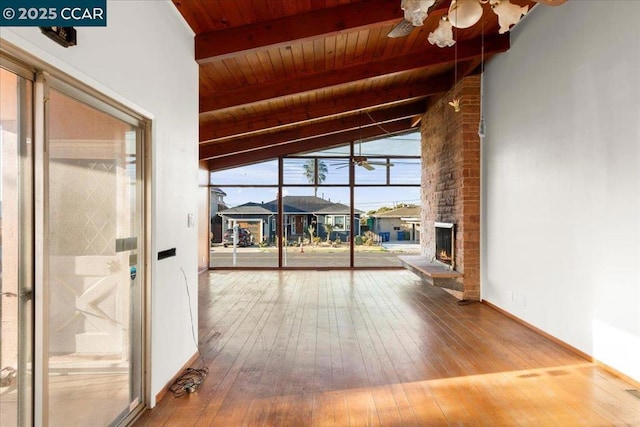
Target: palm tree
x=310, y=173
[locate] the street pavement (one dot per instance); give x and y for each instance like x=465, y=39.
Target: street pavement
x=314, y=257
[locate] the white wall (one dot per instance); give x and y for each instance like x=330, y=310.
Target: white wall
x=561, y=180
x=145, y=59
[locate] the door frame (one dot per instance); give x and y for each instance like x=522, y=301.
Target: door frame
x=44, y=75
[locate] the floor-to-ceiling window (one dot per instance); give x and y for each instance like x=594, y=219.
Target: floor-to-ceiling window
x=317, y=209
x=356, y=205
x=387, y=190
x=243, y=216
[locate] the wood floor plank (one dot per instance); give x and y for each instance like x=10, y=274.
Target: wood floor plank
x=427, y=410
x=235, y=353
x=322, y=412
x=351, y=348
x=362, y=407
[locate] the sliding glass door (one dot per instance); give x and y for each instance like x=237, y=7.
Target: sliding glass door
x=16, y=279
x=71, y=254
x=93, y=288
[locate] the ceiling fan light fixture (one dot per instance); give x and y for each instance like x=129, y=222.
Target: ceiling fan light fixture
x=443, y=35
x=508, y=13
x=416, y=11
x=465, y=13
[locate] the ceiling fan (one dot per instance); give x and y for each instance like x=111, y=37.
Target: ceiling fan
x=362, y=161
x=365, y=163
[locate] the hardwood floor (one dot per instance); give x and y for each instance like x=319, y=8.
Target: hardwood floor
x=379, y=348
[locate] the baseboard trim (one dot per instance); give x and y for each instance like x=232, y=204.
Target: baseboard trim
x=540, y=331
x=618, y=374
x=165, y=389
x=565, y=345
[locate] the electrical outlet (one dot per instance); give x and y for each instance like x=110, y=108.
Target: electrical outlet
x=191, y=220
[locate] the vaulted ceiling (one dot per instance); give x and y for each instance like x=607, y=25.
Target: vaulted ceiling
x=279, y=77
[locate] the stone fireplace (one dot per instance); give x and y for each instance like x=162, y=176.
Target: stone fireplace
x=451, y=186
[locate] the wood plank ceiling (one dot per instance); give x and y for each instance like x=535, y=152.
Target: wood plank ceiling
x=279, y=77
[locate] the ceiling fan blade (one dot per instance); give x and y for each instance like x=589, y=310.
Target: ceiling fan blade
x=381, y=163
x=366, y=165
x=402, y=29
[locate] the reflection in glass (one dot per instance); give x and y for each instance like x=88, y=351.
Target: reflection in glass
x=94, y=326
x=376, y=173
x=15, y=251
x=404, y=171
x=402, y=145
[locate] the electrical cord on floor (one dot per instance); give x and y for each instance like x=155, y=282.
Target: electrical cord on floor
x=190, y=380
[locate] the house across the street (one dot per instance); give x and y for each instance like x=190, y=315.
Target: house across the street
x=300, y=212
x=397, y=224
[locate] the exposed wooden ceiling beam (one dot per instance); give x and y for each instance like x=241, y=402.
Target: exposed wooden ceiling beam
x=428, y=56
x=313, y=144
x=281, y=118
x=285, y=31
x=320, y=129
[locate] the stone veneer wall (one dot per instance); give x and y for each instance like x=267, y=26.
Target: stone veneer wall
x=451, y=178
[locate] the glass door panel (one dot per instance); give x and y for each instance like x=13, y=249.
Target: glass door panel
x=16, y=280
x=94, y=337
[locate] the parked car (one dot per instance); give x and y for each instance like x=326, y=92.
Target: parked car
x=245, y=237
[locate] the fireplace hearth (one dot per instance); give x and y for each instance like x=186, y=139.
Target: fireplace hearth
x=445, y=243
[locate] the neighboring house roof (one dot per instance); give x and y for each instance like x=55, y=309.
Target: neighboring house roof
x=307, y=204
x=404, y=212
x=218, y=190
x=336, y=208
x=250, y=208
x=291, y=204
